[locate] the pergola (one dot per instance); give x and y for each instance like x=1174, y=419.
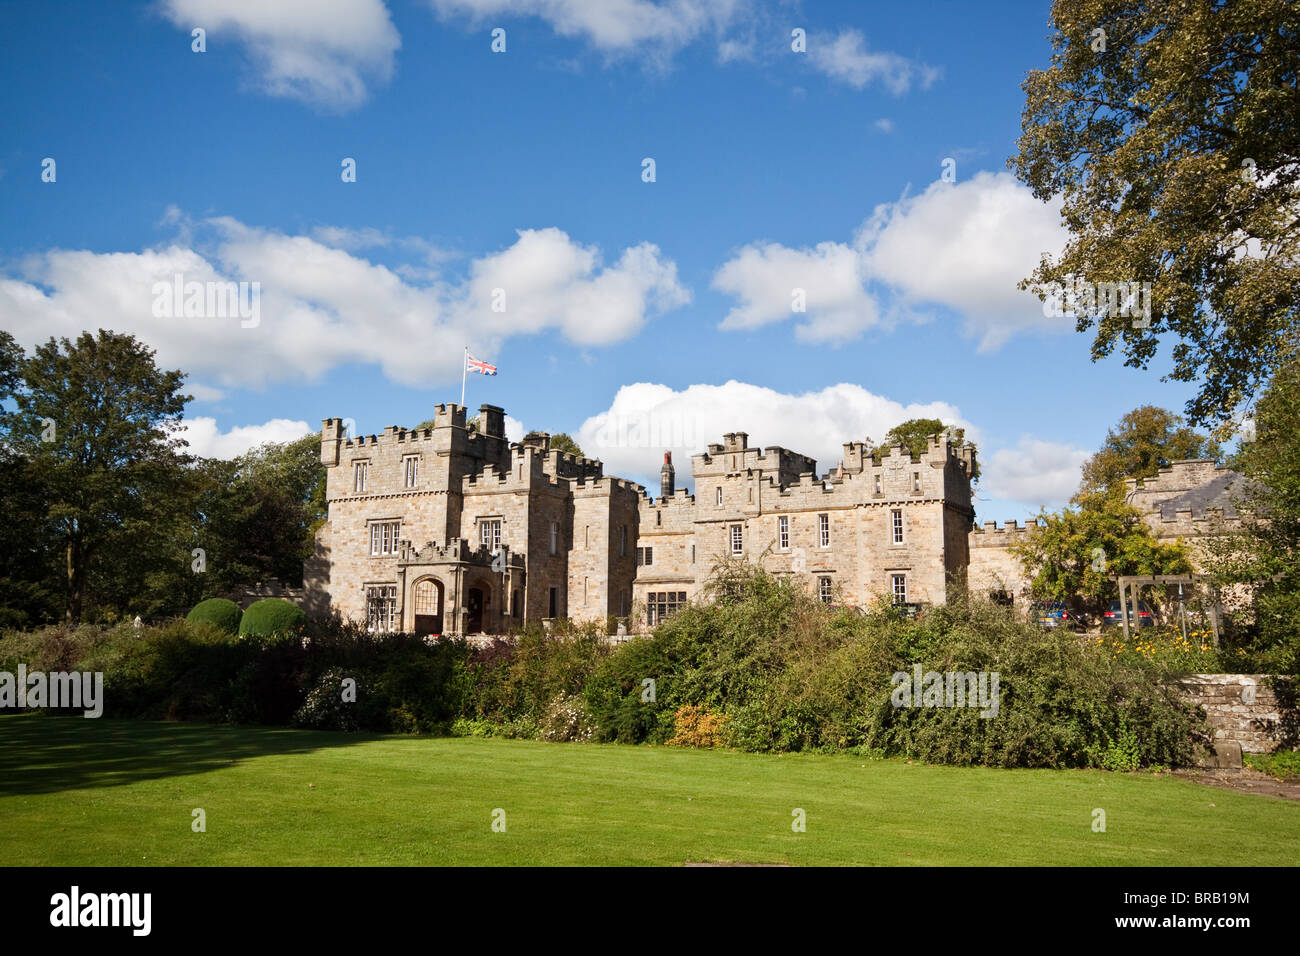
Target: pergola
x=1136, y=581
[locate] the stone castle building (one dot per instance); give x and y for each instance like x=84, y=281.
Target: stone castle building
x=455, y=530
x=1184, y=502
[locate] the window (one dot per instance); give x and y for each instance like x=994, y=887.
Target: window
x=718, y=491
x=737, y=540
x=381, y=607
x=622, y=541
x=384, y=536
x=898, y=525
x=916, y=481
x=692, y=554
x=585, y=581
x=622, y=602
x=555, y=537
x=660, y=604
x=659, y=518
x=359, y=477
x=824, y=590
x=489, y=533
x=644, y=557
x=898, y=584
x=783, y=533
x=411, y=470
x=824, y=530
x=877, y=484
x=555, y=602
x=514, y=603
x=751, y=496
x=426, y=598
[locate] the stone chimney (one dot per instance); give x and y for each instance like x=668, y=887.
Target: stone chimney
x=667, y=476
x=492, y=421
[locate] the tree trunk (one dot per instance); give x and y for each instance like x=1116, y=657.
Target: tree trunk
x=72, y=613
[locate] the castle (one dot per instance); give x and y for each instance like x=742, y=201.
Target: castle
x=455, y=530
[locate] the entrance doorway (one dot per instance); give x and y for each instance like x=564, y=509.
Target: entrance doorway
x=477, y=598
x=428, y=606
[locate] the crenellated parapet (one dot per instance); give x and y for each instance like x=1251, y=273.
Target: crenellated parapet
x=991, y=536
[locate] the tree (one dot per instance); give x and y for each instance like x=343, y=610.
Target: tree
x=1264, y=551
x=1145, y=440
x=1071, y=555
x=95, y=421
x=257, y=515
x=562, y=442
x=914, y=435
x=1168, y=132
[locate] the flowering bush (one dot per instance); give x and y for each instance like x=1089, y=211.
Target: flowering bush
x=1165, y=648
x=566, y=719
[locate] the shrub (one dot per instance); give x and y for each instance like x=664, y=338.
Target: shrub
x=566, y=719
x=270, y=615
x=220, y=611
x=697, y=727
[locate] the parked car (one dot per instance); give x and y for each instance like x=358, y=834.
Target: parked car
x=1050, y=614
x=1142, y=617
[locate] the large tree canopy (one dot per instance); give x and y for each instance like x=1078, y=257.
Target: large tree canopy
x=1168, y=130
x=1073, y=554
x=95, y=422
x=1145, y=440
x=1265, y=550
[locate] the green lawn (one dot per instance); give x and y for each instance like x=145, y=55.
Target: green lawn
x=104, y=792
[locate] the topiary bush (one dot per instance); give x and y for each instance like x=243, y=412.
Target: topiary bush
x=219, y=611
x=271, y=615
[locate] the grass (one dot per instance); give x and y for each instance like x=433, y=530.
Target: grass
x=106, y=792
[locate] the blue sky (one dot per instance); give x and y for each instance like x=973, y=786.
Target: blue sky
x=638, y=315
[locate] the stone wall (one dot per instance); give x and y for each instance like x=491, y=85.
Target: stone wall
x=1242, y=709
x=762, y=490
x=994, y=569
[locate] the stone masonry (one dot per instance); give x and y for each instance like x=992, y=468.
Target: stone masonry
x=1240, y=708
x=457, y=531
x=454, y=530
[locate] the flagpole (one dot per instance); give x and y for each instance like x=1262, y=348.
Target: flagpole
x=464, y=367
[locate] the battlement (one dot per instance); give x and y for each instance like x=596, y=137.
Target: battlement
x=449, y=415
x=605, y=484
x=1182, y=475
x=991, y=536
x=1187, y=492
x=454, y=551
x=680, y=498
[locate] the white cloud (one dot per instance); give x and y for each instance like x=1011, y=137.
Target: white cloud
x=208, y=441
x=964, y=245
x=884, y=124
x=765, y=278
x=321, y=307
x=845, y=58
x=613, y=27
x=321, y=54
x=1037, y=473
x=203, y=393
x=645, y=420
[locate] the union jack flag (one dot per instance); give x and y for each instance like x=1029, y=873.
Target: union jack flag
x=478, y=365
